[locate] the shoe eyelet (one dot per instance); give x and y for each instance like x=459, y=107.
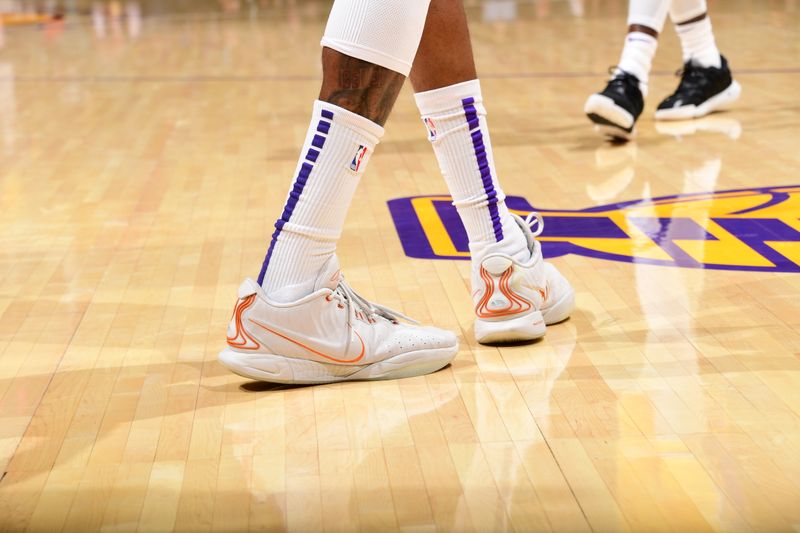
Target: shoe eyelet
x=340, y=306
x=328, y=298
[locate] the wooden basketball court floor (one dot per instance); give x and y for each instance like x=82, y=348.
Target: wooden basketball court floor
x=144, y=161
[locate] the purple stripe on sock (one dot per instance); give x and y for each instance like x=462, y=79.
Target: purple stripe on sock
x=297, y=190
x=471, y=114
x=323, y=127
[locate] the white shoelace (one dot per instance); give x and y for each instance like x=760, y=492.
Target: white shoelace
x=532, y=217
x=528, y=223
x=357, y=303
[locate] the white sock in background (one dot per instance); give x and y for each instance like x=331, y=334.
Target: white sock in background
x=457, y=128
x=697, y=42
x=336, y=151
x=637, y=57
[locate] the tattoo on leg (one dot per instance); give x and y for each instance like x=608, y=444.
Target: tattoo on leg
x=358, y=86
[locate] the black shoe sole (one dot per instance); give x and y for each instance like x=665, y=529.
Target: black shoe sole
x=609, y=129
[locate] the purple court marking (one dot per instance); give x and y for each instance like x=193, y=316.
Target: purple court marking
x=296, y=192
x=471, y=115
x=565, y=228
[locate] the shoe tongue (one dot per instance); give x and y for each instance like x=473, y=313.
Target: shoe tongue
x=329, y=275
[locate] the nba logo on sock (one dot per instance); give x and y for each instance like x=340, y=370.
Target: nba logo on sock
x=355, y=164
x=431, y=129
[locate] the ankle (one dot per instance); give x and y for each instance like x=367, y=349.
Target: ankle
x=289, y=293
x=637, y=56
x=698, y=45
x=513, y=244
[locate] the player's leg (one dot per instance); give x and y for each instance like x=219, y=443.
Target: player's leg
x=514, y=290
x=615, y=109
x=706, y=82
x=301, y=323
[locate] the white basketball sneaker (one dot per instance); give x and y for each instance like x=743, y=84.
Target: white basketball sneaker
x=333, y=334
x=516, y=301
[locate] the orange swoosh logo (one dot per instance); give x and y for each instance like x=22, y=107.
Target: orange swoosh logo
x=312, y=350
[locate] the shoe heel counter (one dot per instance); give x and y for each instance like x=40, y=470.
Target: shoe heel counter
x=496, y=265
x=508, y=302
x=238, y=337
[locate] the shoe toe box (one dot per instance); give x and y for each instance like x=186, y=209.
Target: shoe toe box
x=671, y=102
x=556, y=281
x=405, y=338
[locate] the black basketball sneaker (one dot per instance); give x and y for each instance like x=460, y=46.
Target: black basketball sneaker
x=615, y=109
x=701, y=91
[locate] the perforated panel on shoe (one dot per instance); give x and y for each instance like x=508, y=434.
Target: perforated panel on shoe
x=407, y=338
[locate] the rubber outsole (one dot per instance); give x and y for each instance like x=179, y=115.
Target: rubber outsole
x=527, y=327
x=614, y=132
x=610, y=119
x=279, y=369
x=717, y=102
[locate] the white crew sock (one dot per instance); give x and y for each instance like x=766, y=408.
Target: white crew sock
x=336, y=151
x=637, y=57
x=697, y=42
x=457, y=128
